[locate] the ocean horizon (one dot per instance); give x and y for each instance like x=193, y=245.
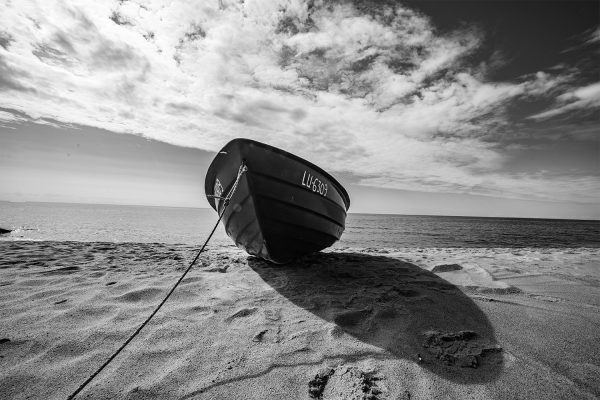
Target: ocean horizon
x=349, y=212
x=188, y=225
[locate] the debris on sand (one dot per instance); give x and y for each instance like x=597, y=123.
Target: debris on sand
x=500, y=291
x=447, y=268
x=316, y=386
x=462, y=349
x=345, y=383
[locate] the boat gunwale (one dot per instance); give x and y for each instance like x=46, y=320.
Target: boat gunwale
x=339, y=187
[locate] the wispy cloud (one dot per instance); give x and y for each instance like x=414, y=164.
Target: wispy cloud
x=594, y=36
x=584, y=98
x=7, y=119
x=374, y=93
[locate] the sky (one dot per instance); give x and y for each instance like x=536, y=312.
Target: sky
x=487, y=108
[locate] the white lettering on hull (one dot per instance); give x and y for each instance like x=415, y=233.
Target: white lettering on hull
x=314, y=184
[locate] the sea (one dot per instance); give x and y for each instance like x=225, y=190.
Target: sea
x=172, y=225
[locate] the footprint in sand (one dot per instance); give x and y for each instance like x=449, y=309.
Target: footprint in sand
x=395, y=293
x=336, y=332
x=217, y=268
x=244, y=312
x=549, y=299
x=273, y=315
x=62, y=271
x=389, y=312
x=259, y=336
x=352, y=318
x=140, y=295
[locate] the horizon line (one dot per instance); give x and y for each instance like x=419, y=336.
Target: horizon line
x=356, y=213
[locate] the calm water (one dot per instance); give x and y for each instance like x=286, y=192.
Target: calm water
x=83, y=222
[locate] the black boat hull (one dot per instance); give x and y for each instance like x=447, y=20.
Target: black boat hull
x=284, y=207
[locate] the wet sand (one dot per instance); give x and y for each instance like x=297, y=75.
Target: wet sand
x=349, y=323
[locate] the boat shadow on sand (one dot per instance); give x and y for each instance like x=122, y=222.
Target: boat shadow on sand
x=394, y=305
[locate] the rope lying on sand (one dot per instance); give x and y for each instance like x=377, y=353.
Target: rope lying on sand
x=226, y=199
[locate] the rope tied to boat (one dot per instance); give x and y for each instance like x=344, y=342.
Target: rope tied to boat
x=226, y=199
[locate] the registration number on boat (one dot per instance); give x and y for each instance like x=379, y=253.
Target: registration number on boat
x=314, y=184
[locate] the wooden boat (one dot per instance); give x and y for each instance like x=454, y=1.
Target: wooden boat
x=283, y=207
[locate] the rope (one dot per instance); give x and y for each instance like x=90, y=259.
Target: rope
x=241, y=170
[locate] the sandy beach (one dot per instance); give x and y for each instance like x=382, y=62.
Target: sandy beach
x=349, y=323
x=401, y=200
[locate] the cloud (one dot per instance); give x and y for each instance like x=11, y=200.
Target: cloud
x=8, y=119
x=594, y=36
x=583, y=98
x=12, y=77
x=370, y=92
x=5, y=40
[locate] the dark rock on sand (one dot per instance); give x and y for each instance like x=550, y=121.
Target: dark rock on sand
x=4, y=231
x=446, y=268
